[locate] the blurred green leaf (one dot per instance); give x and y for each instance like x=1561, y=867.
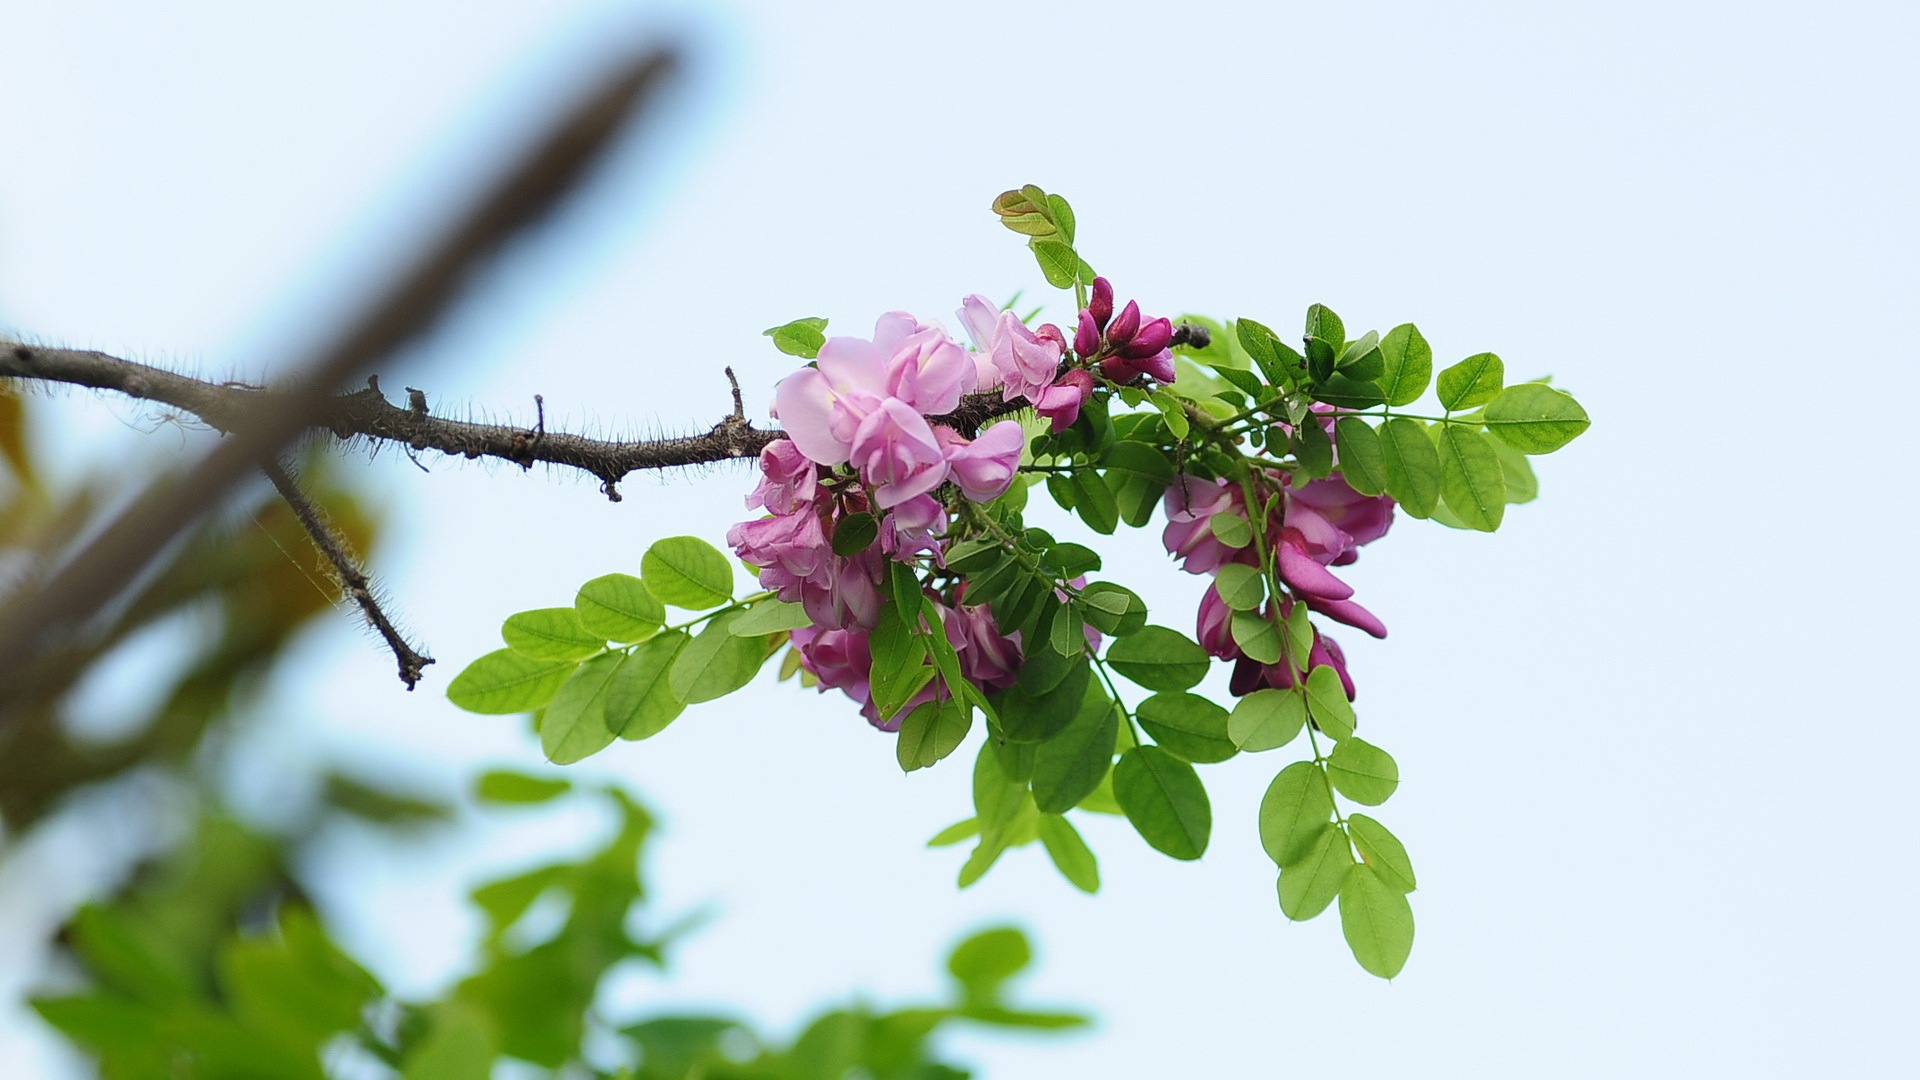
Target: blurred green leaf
x=513, y=788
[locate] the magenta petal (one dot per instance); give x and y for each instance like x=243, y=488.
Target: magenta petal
x=1086, y=340
x=1348, y=612
x=1301, y=572
x=804, y=403
x=1101, y=306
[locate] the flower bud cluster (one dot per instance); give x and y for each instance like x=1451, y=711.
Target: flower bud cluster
x=1126, y=345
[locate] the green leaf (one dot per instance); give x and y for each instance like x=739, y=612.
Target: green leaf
x=550, y=634
x=1256, y=635
x=457, y=1046
x=801, y=337
x=1327, y=700
x=984, y=962
x=955, y=833
x=1412, y=465
x=641, y=702
x=855, y=533
x=1309, y=885
x=1159, y=659
x=715, y=663
x=1070, y=765
x=1297, y=803
x=1471, y=382
x=134, y=955
x=687, y=572
x=1034, y=716
x=769, y=616
x=1534, y=418
x=1165, y=800
x=574, y=725
x=1093, y=501
x=1266, y=719
x=1300, y=635
x=1062, y=215
x=1363, y=772
x=505, y=681
x=1231, y=529
x=511, y=788
x=1113, y=609
x=1139, y=459
x=1241, y=587
x=1066, y=631
x=1324, y=326
x=1359, y=349
x=1362, y=460
x=1349, y=392
x=1057, y=261
x=931, y=732
x=1409, y=361
x=1470, y=478
x=1277, y=361
x=899, y=668
x=1187, y=725
x=618, y=607
x=1517, y=471
x=1070, y=853
x=1377, y=922
x=1312, y=449
x=1383, y=851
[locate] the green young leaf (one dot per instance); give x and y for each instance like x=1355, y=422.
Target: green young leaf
x=1265, y=349
x=687, y=572
x=1057, y=261
x=641, y=702
x=618, y=607
x=1412, y=465
x=855, y=533
x=1093, y=501
x=931, y=732
x=1231, y=529
x=550, y=634
x=1062, y=215
x=1517, y=471
x=1187, y=725
x=1256, y=635
x=1383, y=851
x=504, y=681
x=1362, y=460
x=574, y=725
x=1324, y=327
x=1377, y=922
x=801, y=337
x=715, y=663
x=955, y=833
x=1300, y=636
x=1359, y=350
x=1349, y=391
x=984, y=962
x=1113, y=609
x=1241, y=587
x=1070, y=853
x=1471, y=382
x=900, y=666
x=1159, y=659
x=1068, y=767
x=510, y=788
x=1409, y=365
x=1173, y=410
x=1267, y=719
x=1165, y=800
x=1309, y=885
x=1534, y=418
x=1312, y=449
x=1327, y=700
x=769, y=616
x=1297, y=803
x=1363, y=772
x=1470, y=478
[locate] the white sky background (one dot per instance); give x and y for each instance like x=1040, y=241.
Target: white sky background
x=1654, y=734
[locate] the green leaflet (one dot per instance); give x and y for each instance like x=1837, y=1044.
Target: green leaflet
x=1471, y=479
x=1297, y=803
x=769, y=616
x=1070, y=765
x=1113, y=609
x=1165, y=800
x=1241, y=587
x=687, y=572
x=1187, y=725
x=618, y=607
x=550, y=634
x=931, y=732
x=1070, y=853
x=1362, y=460
x=504, y=682
x=1363, y=772
x=1256, y=635
x=1409, y=365
x=1383, y=851
x=801, y=337
x=1046, y=703
x=509, y=788
x=1535, y=418
x=1093, y=501
x=1267, y=719
x=1471, y=382
x=641, y=702
x=1310, y=884
x=1377, y=922
x=1231, y=529
x=574, y=725
x=1159, y=659
x=1411, y=465
x=1327, y=699
x=715, y=663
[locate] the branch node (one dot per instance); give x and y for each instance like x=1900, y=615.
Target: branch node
x=739, y=407
x=416, y=403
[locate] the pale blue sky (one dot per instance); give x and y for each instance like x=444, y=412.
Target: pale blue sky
x=1655, y=733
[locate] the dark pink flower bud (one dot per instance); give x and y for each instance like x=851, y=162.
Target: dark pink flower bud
x=1151, y=338
x=1101, y=306
x=1119, y=369
x=1159, y=365
x=1086, y=340
x=1125, y=325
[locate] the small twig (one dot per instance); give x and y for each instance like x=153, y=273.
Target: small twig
x=353, y=580
x=739, y=406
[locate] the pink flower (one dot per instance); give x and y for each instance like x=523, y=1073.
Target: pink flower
x=1131, y=344
x=1060, y=403
x=897, y=454
x=1302, y=571
x=1027, y=361
x=1212, y=628
x=844, y=595
x=987, y=657
x=911, y=527
x=787, y=479
x=822, y=407
x=984, y=467
x=840, y=659
x=1250, y=675
x=1190, y=506
x=793, y=546
x=924, y=367
x=980, y=317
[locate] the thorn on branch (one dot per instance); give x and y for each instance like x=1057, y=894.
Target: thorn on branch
x=416, y=403
x=353, y=580
x=739, y=406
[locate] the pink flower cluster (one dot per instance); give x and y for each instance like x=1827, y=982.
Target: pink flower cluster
x=1320, y=524
x=842, y=659
x=1126, y=346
